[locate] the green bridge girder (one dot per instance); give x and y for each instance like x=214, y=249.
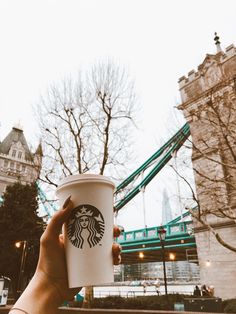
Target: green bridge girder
x=161, y=157
x=173, y=231
x=179, y=238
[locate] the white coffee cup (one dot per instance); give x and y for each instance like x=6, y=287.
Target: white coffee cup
x=89, y=230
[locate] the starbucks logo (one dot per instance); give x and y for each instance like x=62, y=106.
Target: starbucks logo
x=86, y=223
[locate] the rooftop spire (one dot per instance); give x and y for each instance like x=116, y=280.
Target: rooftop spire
x=217, y=43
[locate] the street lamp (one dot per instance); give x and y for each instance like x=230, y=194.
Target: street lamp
x=162, y=237
x=18, y=244
x=22, y=264
x=172, y=258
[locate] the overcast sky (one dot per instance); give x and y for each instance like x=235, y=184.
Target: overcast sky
x=158, y=41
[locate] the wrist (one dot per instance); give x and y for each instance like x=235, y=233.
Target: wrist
x=40, y=296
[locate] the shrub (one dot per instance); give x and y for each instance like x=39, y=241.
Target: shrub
x=141, y=303
x=229, y=306
x=107, y=303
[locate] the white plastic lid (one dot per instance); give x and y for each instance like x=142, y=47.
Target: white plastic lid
x=84, y=178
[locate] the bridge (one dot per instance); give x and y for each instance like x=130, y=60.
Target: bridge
x=179, y=236
x=143, y=245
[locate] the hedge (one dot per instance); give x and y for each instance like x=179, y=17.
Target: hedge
x=147, y=303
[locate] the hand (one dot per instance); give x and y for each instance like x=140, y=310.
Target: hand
x=52, y=263
x=49, y=287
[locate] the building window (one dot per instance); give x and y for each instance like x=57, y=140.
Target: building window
x=18, y=167
x=5, y=163
x=11, y=165
x=23, y=168
x=13, y=153
x=19, y=155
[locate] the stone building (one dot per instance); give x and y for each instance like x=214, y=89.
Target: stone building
x=209, y=105
x=17, y=162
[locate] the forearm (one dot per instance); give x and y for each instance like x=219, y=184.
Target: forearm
x=39, y=297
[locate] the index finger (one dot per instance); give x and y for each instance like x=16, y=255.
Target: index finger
x=54, y=227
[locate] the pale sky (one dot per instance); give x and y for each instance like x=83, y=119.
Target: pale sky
x=158, y=41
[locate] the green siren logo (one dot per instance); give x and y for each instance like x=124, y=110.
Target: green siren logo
x=86, y=223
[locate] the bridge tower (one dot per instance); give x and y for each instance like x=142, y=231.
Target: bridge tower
x=17, y=162
x=209, y=105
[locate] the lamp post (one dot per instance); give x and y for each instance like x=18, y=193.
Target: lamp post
x=172, y=258
x=162, y=237
x=22, y=265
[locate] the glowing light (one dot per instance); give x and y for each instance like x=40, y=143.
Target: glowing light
x=18, y=244
x=172, y=256
x=141, y=255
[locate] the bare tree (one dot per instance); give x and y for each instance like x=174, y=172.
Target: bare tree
x=214, y=160
x=86, y=125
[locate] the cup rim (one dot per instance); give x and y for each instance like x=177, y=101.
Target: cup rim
x=84, y=178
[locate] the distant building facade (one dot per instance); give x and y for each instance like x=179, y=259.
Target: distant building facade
x=176, y=271
x=17, y=162
x=166, y=209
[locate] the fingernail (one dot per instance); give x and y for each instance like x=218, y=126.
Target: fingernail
x=66, y=202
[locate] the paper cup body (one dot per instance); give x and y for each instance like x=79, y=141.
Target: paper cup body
x=89, y=230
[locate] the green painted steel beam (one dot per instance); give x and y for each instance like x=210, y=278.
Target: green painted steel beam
x=177, y=219
x=155, y=241
x=44, y=200
x=184, y=130
x=157, y=248
x=171, y=235
x=177, y=142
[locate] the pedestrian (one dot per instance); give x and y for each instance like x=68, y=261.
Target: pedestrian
x=157, y=286
x=211, y=291
x=48, y=288
x=205, y=291
x=197, y=292
x=144, y=283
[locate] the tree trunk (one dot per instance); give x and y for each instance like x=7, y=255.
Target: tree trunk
x=88, y=297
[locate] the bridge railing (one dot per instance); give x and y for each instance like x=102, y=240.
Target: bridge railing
x=173, y=230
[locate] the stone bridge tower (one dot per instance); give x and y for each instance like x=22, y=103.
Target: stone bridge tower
x=209, y=105
x=17, y=162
